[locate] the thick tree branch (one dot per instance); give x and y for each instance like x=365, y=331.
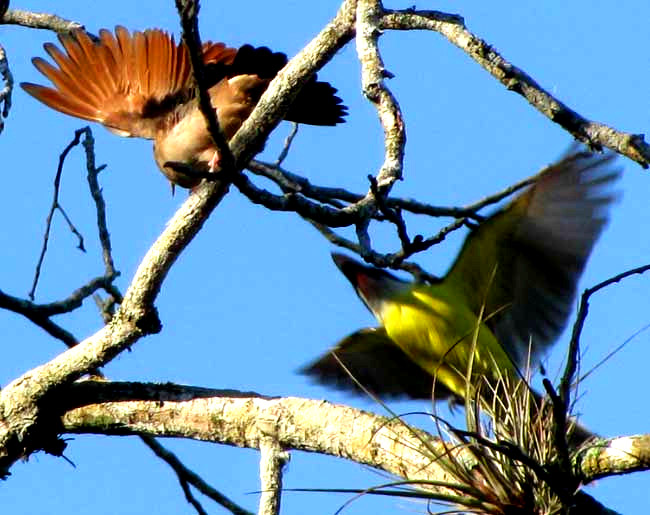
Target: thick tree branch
x=218, y=416
x=287, y=83
x=613, y=457
x=235, y=418
x=272, y=425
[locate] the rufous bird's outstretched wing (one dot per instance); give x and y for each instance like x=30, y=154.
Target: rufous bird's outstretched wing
x=126, y=81
x=523, y=263
x=131, y=81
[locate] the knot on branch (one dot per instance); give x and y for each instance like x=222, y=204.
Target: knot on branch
x=149, y=322
x=28, y=430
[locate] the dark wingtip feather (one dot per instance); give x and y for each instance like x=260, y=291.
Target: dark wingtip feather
x=316, y=104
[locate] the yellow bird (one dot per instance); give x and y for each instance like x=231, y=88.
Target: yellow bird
x=510, y=290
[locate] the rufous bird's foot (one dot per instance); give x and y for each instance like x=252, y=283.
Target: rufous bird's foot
x=214, y=162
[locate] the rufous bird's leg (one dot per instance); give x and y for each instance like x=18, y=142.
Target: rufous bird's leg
x=214, y=162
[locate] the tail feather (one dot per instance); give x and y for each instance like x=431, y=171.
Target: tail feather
x=317, y=104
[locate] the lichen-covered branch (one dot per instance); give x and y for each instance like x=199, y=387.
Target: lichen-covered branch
x=31, y=407
x=373, y=73
x=287, y=83
x=219, y=416
x=272, y=461
x=40, y=21
x=613, y=457
x=248, y=420
x=594, y=134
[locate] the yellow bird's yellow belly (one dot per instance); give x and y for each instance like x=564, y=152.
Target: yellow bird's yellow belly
x=439, y=333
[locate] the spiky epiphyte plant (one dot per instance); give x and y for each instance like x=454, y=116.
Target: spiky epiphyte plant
x=509, y=460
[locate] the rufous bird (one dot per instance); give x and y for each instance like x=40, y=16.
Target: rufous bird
x=140, y=84
x=509, y=292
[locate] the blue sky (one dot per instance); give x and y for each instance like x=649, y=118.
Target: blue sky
x=255, y=296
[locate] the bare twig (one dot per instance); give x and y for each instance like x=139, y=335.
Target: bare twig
x=291, y=182
x=55, y=205
x=7, y=89
x=287, y=144
x=298, y=204
x=394, y=216
x=40, y=314
x=188, y=477
x=100, y=206
x=299, y=191
x=188, y=11
x=104, y=282
x=34, y=314
x=372, y=256
x=574, y=344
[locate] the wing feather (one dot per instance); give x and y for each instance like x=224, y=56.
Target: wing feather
x=128, y=81
x=524, y=262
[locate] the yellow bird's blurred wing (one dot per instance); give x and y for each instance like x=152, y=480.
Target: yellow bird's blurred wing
x=523, y=263
x=377, y=363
